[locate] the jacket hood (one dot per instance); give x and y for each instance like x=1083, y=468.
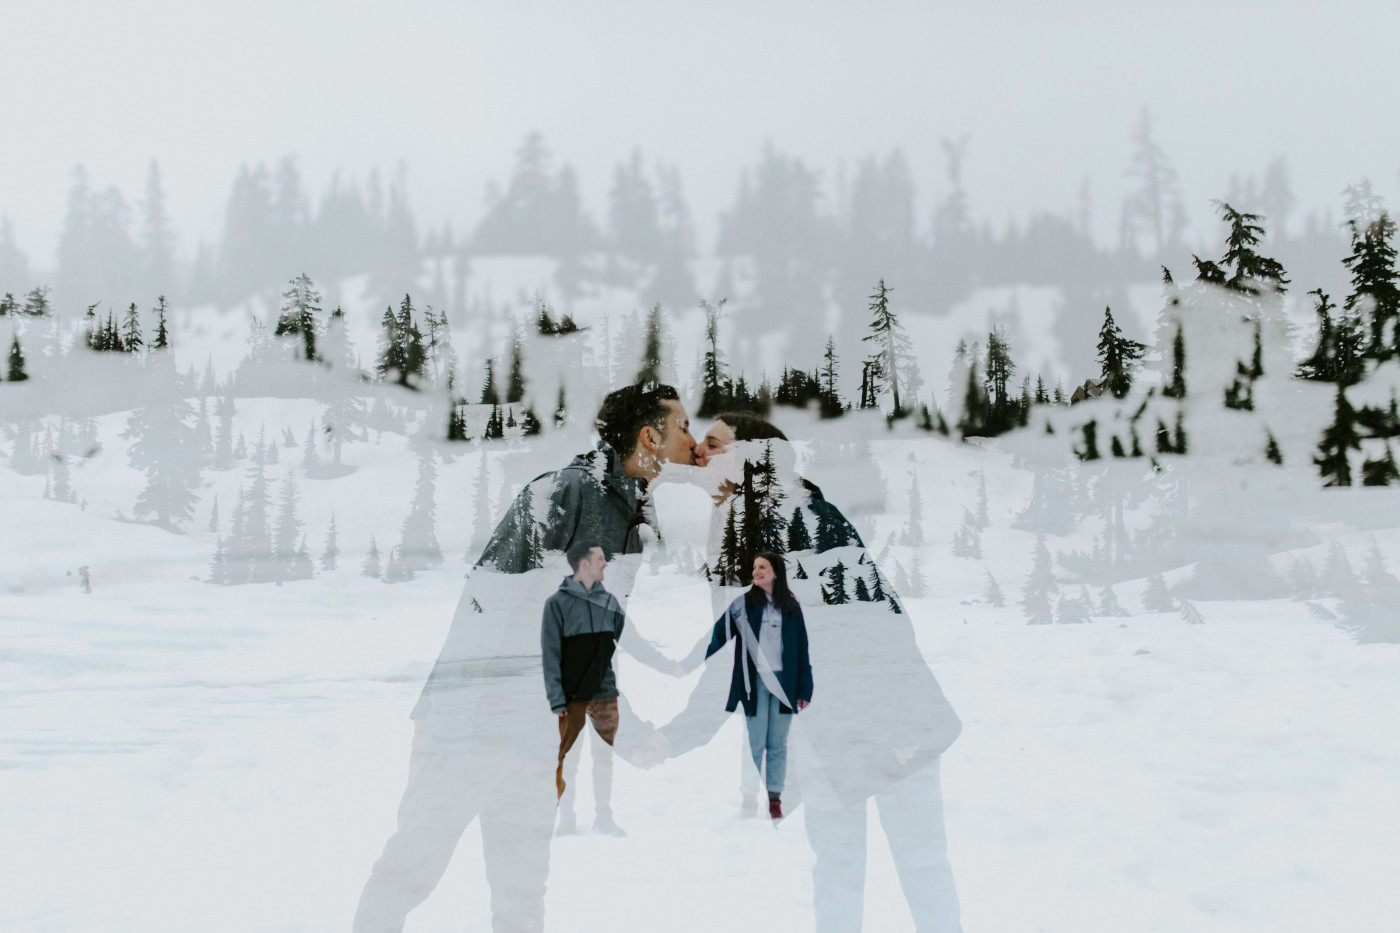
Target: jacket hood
x=598, y=596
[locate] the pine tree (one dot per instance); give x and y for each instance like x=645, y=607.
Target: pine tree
x=204, y=432
x=862, y=592
x=489, y=393
x=223, y=442
x=1040, y=587
x=302, y=568
x=798, y=538
x=1073, y=609
x=1375, y=294
x=250, y=552
x=832, y=532
x=831, y=405
x=309, y=458
x=772, y=527
x=218, y=567
x=1090, y=450
x=530, y=424
x=992, y=595
x=397, y=570
x=457, y=424
x=1339, y=437
x=390, y=359
x=16, y=372
x=893, y=351
x=300, y=305
x=716, y=389
x=1003, y=412
x=415, y=354
x=967, y=540
x=1118, y=356
x=1176, y=385
x=335, y=348
x=1190, y=614
x=976, y=405
x=1381, y=471
x=495, y=425
x=913, y=533
x=834, y=593
x=561, y=412
x=164, y=446
x=214, y=516
x=877, y=585
x=370, y=568
x=1375, y=572
x=729, y=552
x=515, y=386
x=162, y=332
x=62, y=488
x=418, y=546
x=1156, y=598
x=650, y=373
x=132, y=341
x=1271, y=450
x=1239, y=395
x=288, y=530
x=331, y=550
x=1109, y=604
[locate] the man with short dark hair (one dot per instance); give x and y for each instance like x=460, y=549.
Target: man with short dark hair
x=578, y=635
x=477, y=749
x=601, y=495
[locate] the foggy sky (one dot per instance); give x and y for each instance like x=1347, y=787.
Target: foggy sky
x=1046, y=96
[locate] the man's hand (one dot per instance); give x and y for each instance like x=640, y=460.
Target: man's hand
x=563, y=712
x=903, y=755
x=652, y=753
x=803, y=704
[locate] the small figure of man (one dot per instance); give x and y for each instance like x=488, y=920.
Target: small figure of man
x=578, y=635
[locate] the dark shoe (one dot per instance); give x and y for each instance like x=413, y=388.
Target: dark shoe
x=775, y=806
x=748, y=809
x=604, y=824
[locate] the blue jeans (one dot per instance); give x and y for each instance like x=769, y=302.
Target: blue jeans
x=768, y=731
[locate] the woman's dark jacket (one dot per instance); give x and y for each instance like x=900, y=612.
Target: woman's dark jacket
x=796, y=676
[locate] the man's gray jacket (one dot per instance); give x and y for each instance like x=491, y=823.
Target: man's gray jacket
x=592, y=499
x=578, y=634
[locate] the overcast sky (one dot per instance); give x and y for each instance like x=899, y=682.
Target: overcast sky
x=1046, y=92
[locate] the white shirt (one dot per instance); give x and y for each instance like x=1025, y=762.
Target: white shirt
x=770, y=639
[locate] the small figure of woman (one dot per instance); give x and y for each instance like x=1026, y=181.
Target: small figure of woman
x=772, y=669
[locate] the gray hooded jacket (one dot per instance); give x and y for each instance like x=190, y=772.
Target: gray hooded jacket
x=590, y=499
x=578, y=634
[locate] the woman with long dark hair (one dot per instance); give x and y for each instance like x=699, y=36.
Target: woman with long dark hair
x=772, y=669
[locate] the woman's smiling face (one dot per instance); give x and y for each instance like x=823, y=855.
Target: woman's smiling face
x=715, y=441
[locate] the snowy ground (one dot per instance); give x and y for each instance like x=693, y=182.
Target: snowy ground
x=180, y=756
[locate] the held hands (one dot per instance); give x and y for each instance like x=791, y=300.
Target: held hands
x=803, y=704
x=652, y=753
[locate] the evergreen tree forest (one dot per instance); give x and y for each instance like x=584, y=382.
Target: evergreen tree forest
x=1221, y=338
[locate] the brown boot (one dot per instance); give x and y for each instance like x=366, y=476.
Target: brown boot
x=775, y=806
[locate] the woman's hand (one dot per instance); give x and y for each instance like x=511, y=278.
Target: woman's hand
x=803, y=704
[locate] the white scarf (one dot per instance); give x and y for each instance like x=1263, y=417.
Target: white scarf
x=739, y=617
